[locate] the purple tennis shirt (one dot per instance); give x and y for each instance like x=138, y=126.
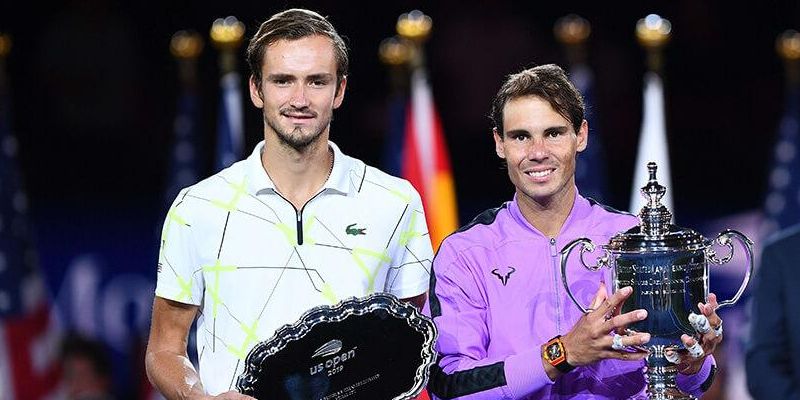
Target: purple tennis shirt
x=497, y=296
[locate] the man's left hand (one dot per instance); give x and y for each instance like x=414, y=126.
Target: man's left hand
x=691, y=361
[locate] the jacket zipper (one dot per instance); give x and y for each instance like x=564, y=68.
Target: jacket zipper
x=554, y=257
x=556, y=268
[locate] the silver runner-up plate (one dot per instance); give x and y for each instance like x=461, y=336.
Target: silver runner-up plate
x=376, y=348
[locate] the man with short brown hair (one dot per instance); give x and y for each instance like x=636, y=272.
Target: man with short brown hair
x=507, y=328
x=296, y=225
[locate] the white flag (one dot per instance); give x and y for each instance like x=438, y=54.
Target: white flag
x=652, y=145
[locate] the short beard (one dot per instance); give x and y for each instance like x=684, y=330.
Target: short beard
x=297, y=142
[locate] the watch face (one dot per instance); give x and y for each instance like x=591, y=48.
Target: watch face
x=553, y=351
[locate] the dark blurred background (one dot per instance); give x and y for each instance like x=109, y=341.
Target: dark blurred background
x=94, y=91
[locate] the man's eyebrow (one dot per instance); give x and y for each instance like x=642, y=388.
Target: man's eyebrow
x=556, y=129
x=515, y=132
x=321, y=76
x=280, y=77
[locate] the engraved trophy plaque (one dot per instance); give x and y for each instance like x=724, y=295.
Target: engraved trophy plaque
x=668, y=269
x=375, y=347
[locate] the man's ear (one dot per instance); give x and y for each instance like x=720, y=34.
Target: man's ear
x=255, y=93
x=337, y=101
x=583, y=136
x=498, y=144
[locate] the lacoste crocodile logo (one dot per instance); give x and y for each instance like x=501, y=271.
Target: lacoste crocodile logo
x=504, y=277
x=352, y=230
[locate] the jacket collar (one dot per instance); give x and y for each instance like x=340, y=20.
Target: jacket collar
x=581, y=208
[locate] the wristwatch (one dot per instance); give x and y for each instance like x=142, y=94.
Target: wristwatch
x=554, y=353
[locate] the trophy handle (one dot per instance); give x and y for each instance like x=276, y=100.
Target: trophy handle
x=724, y=239
x=586, y=245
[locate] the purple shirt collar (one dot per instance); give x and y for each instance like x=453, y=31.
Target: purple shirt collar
x=581, y=208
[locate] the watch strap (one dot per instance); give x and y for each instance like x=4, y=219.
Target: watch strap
x=710, y=380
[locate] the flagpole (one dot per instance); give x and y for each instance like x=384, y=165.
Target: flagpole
x=227, y=35
x=787, y=45
x=653, y=33
x=5, y=49
x=5, y=112
x=395, y=53
x=415, y=27
x=573, y=31
x=185, y=47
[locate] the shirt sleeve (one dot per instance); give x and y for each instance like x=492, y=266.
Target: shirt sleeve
x=696, y=384
x=409, y=270
x=179, y=277
x=464, y=370
x=768, y=363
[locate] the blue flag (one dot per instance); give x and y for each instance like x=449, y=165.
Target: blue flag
x=782, y=204
x=590, y=168
x=230, y=122
x=184, y=159
x=395, y=135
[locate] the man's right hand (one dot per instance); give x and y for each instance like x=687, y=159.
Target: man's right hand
x=590, y=340
x=167, y=364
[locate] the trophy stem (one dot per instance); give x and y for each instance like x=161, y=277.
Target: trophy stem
x=661, y=377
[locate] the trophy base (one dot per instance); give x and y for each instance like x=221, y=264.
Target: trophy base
x=661, y=376
x=670, y=394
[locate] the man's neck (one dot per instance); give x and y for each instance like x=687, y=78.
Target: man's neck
x=298, y=175
x=547, y=215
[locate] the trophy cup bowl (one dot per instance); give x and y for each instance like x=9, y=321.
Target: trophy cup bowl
x=668, y=269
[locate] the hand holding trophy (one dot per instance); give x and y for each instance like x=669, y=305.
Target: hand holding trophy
x=667, y=268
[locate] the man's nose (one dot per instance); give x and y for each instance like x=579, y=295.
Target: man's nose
x=537, y=150
x=299, y=98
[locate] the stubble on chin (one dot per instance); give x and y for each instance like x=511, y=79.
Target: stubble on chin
x=296, y=139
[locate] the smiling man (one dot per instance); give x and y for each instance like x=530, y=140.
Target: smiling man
x=295, y=225
x=507, y=328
